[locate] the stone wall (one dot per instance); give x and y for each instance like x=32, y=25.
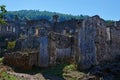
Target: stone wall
x=31, y=42
x=61, y=48
x=96, y=43
x=101, y=45
x=43, y=58
x=92, y=44
x=114, y=44
x=86, y=44
x=54, y=48
x=22, y=60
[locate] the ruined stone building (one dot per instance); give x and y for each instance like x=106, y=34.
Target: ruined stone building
x=8, y=32
x=96, y=42
x=10, y=27
x=88, y=41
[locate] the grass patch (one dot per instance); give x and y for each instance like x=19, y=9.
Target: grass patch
x=6, y=76
x=1, y=60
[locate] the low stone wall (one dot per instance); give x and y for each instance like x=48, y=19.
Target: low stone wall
x=22, y=60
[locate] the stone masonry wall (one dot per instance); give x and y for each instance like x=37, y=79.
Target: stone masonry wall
x=92, y=43
x=22, y=60
x=43, y=58
x=60, y=48
x=92, y=46
x=114, y=45
x=86, y=45
x=96, y=42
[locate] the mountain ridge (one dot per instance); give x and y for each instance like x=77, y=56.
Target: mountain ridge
x=36, y=15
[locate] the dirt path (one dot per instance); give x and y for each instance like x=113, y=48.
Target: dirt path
x=23, y=76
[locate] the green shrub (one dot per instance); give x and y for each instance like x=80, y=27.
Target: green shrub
x=68, y=68
x=5, y=76
x=1, y=60
x=11, y=45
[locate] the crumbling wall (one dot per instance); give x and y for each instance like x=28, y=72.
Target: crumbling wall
x=114, y=45
x=91, y=41
x=43, y=57
x=101, y=44
x=22, y=60
x=60, y=48
x=86, y=45
x=107, y=42
x=92, y=44
x=54, y=48
x=27, y=43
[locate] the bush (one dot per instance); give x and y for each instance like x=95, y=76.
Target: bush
x=68, y=68
x=6, y=76
x=11, y=45
x=1, y=60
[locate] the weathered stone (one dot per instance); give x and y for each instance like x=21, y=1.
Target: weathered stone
x=27, y=43
x=92, y=42
x=43, y=58
x=60, y=48
x=96, y=43
x=23, y=60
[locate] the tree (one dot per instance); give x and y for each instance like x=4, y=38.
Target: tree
x=2, y=11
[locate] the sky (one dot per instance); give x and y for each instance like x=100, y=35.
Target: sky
x=106, y=9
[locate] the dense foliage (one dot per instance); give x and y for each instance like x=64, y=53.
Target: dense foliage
x=109, y=22
x=36, y=15
x=2, y=12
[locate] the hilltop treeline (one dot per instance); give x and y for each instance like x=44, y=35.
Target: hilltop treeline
x=36, y=15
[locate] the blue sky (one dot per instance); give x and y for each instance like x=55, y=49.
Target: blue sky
x=107, y=9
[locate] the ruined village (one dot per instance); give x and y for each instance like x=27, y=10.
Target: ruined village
x=40, y=43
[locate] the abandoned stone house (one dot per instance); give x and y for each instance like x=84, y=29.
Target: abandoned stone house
x=34, y=26
x=8, y=32
x=88, y=41
x=11, y=27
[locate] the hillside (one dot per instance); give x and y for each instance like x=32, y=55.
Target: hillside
x=36, y=15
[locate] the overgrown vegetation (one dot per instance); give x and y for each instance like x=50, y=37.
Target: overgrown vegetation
x=109, y=22
x=71, y=67
x=11, y=45
x=2, y=12
x=3, y=72
x=5, y=76
x=1, y=60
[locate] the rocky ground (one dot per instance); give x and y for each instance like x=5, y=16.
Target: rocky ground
x=109, y=71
